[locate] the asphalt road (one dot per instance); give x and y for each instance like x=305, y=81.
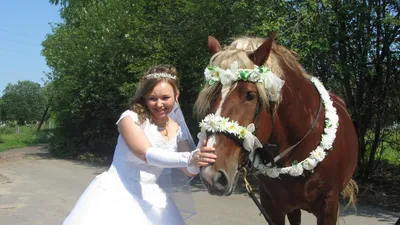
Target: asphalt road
x=36, y=189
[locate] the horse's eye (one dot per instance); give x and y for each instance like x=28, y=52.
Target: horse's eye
x=250, y=96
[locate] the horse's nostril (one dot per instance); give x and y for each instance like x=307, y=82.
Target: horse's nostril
x=223, y=179
x=220, y=181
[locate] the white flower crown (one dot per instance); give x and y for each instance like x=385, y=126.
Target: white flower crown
x=260, y=74
x=159, y=75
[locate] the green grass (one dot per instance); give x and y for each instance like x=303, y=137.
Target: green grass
x=392, y=156
x=390, y=147
x=27, y=136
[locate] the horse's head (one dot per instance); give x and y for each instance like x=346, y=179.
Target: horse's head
x=242, y=82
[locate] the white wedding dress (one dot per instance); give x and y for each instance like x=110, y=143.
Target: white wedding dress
x=128, y=193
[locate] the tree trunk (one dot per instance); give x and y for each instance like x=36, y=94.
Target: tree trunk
x=43, y=117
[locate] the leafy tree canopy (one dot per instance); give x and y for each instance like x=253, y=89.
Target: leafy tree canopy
x=22, y=102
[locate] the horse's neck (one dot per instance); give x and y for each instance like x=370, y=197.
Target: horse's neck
x=296, y=113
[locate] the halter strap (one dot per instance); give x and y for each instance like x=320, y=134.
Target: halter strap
x=278, y=157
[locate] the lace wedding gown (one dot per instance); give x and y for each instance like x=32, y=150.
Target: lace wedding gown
x=128, y=193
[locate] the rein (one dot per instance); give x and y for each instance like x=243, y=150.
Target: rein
x=253, y=196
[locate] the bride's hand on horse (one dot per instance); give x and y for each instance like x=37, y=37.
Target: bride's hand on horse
x=204, y=156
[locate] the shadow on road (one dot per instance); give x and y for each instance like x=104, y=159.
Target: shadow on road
x=368, y=211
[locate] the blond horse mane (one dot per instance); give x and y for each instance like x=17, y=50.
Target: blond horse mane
x=279, y=58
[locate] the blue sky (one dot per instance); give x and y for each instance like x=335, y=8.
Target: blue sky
x=23, y=26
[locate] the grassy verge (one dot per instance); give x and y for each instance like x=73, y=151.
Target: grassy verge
x=392, y=156
x=27, y=136
x=390, y=149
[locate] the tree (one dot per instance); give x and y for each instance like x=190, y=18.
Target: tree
x=1, y=110
x=89, y=55
x=22, y=102
x=48, y=92
x=367, y=53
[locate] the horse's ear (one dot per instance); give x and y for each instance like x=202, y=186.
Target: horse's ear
x=260, y=56
x=213, y=45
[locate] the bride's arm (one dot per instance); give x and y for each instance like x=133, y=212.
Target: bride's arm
x=140, y=146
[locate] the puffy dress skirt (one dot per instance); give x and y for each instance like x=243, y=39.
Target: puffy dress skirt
x=112, y=200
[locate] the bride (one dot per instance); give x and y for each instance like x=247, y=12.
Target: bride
x=153, y=138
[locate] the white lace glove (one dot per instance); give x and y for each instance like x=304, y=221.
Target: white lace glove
x=193, y=169
x=165, y=159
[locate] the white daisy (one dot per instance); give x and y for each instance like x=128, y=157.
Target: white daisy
x=296, y=170
x=318, y=154
x=309, y=164
x=272, y=172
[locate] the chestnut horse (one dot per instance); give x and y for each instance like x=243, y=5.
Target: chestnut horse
x=292, y=117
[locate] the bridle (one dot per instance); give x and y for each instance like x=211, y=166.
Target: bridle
x=270, y=148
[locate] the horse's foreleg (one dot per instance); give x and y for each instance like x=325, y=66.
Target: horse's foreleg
x=275, y=213
x=294, y=217
x=329, y=209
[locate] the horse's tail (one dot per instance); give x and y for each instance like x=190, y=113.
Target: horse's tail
x=351, y=192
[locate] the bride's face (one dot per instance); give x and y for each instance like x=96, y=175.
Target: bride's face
x=160, y=101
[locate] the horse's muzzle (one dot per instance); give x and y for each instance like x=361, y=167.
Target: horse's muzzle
x=216, y=183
